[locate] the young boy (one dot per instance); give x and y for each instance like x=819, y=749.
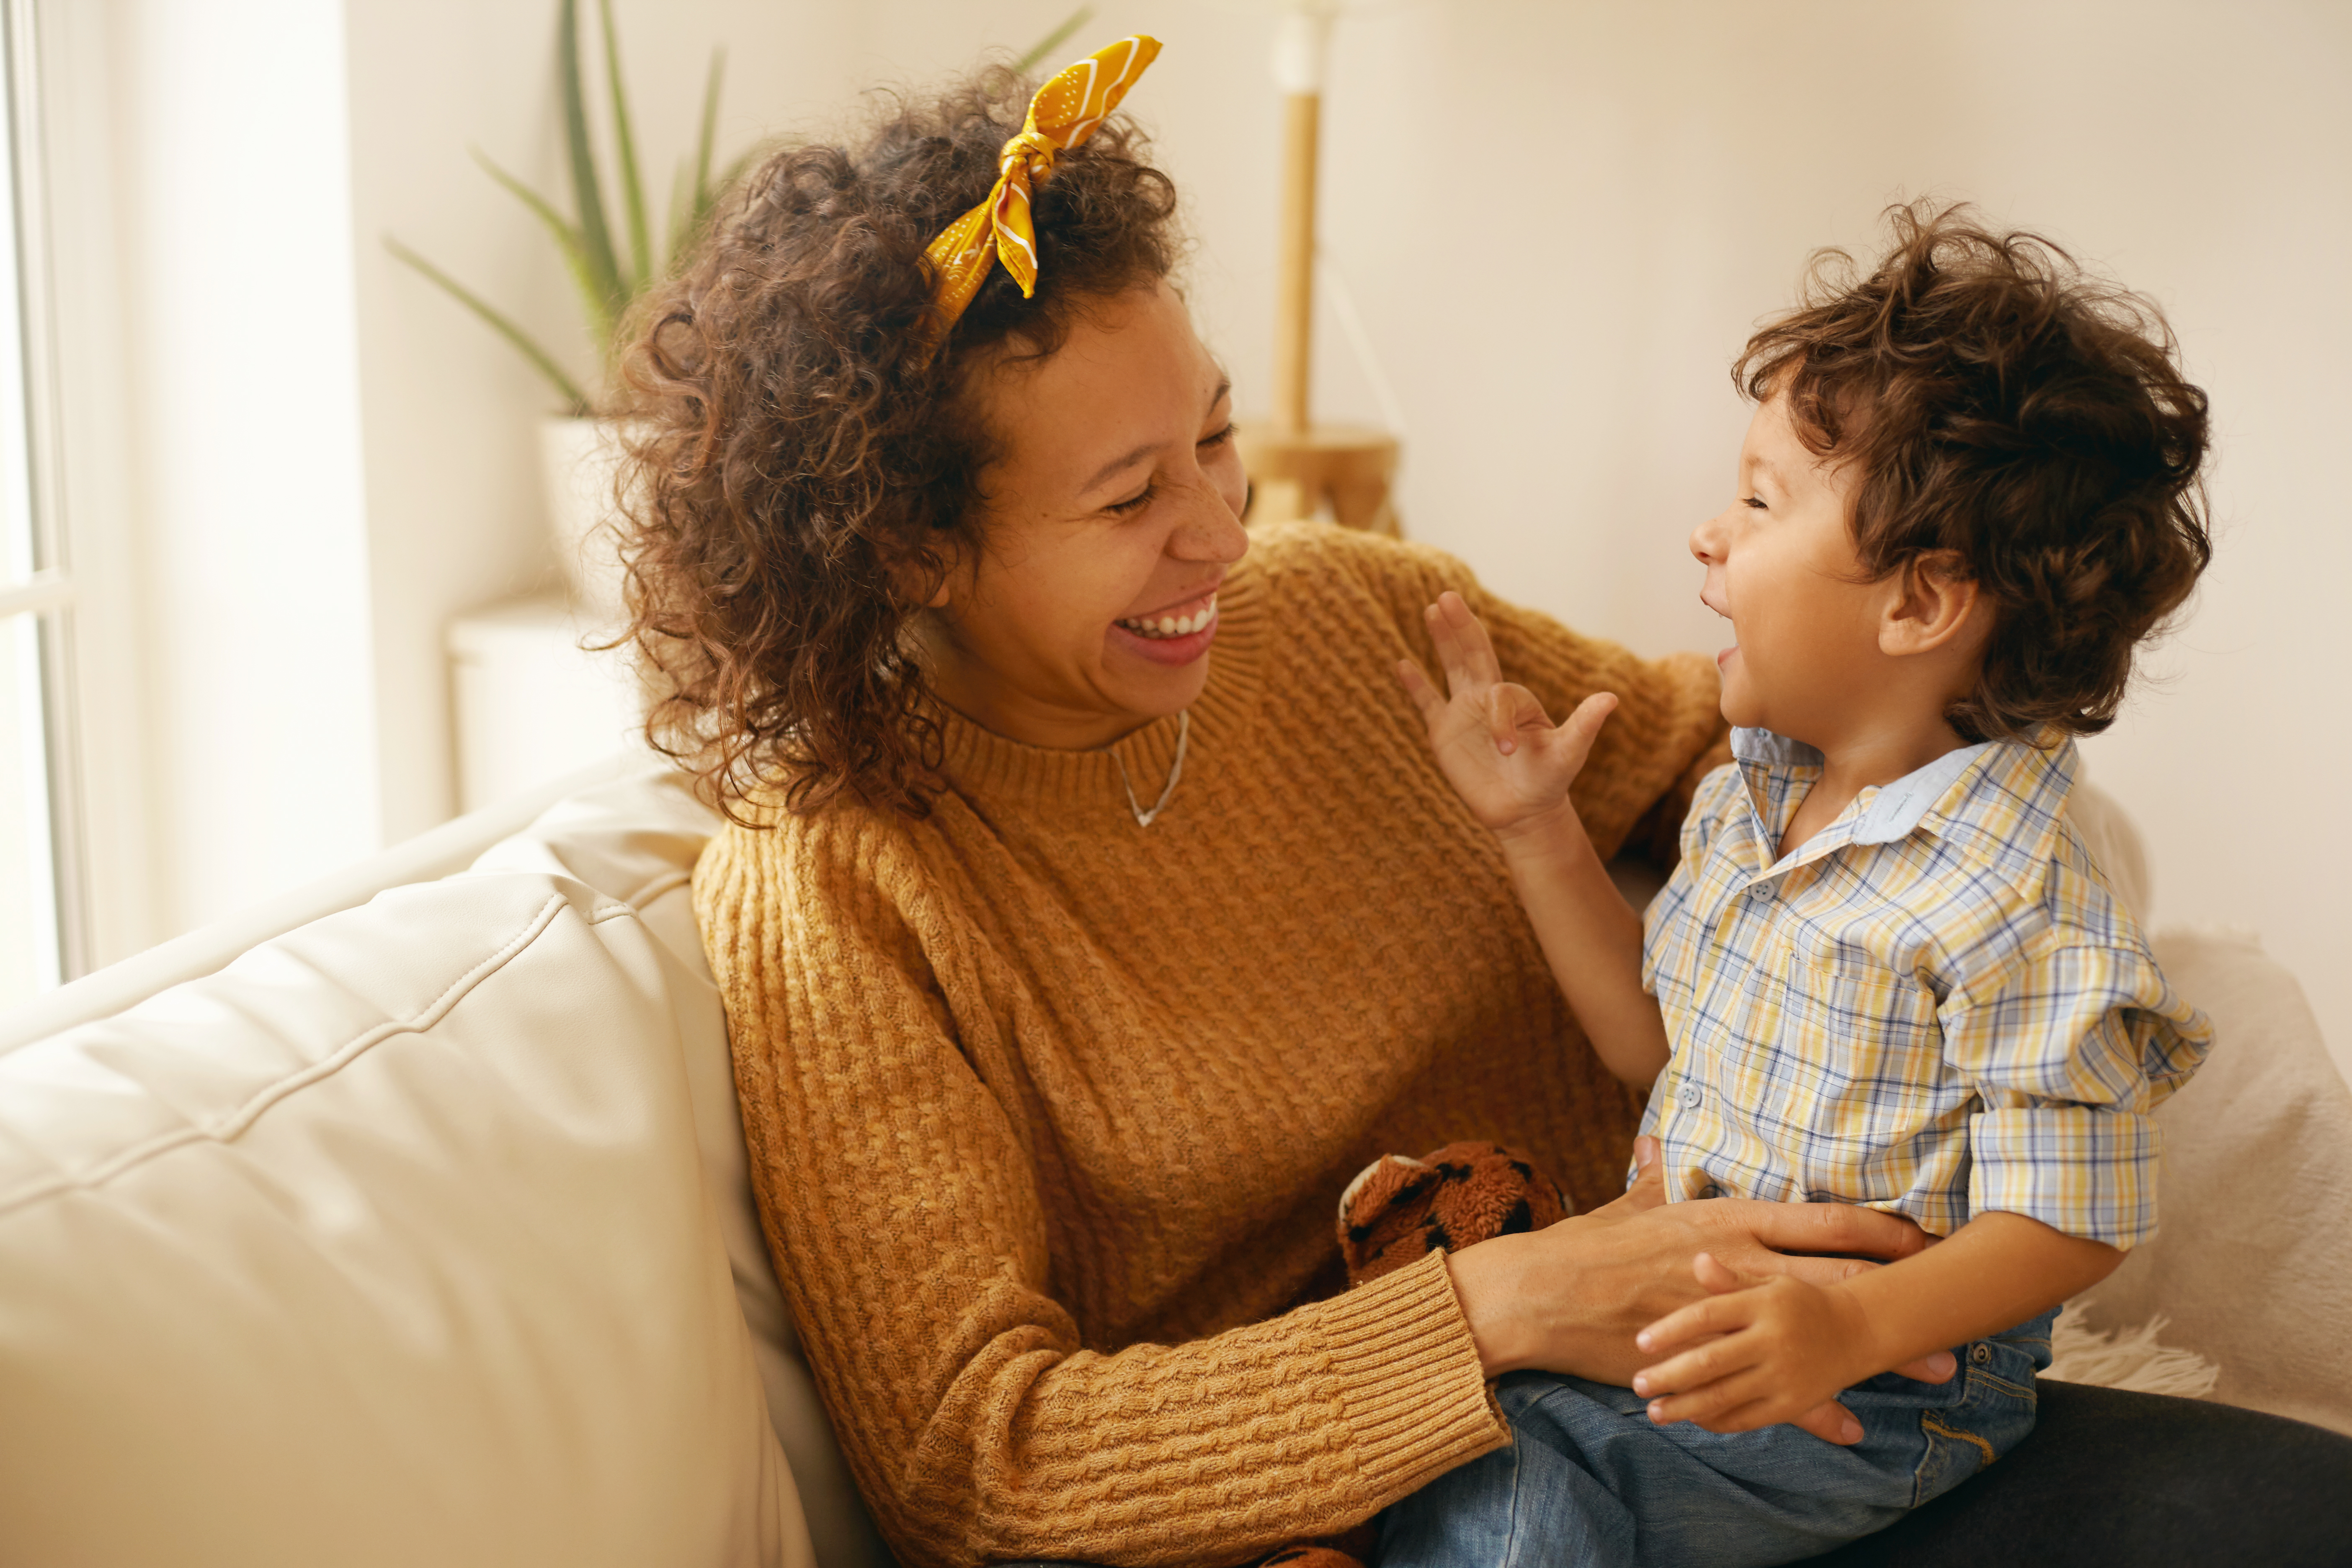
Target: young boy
x=1885, y=971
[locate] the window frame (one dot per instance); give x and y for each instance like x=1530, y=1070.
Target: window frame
x=57, y=57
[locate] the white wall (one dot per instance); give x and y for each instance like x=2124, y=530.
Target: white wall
x=241, y=434
x=454, y=499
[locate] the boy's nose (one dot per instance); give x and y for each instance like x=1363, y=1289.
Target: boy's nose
x=1706, y=541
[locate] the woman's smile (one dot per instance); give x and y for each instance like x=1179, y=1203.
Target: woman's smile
x=1175, y=634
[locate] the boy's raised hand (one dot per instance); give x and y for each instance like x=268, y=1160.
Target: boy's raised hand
x=1497, y=747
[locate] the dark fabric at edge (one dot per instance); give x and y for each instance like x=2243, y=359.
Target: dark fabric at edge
x=2110, y=1479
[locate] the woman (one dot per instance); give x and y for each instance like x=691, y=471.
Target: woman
x=1094, y=910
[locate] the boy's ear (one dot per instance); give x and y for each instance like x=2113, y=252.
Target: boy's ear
x=1933, y=603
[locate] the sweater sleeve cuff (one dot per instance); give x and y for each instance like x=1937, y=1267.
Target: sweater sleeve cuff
x=1417, y=1401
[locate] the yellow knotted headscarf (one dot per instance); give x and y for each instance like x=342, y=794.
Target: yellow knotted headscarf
x=1065, y=113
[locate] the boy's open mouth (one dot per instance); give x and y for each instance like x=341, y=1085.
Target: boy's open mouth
x=1723, y=658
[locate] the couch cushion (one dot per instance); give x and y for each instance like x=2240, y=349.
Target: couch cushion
x=388, y=1243
x=637, y=841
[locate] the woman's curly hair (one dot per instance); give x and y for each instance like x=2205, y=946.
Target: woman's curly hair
x=801, y=467
x=1995, y=403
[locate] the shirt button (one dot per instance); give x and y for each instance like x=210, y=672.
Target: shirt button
x=1689, y=1094
x=1759, y=891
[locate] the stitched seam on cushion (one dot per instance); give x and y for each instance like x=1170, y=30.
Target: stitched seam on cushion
x=660, y=883
x=242, y=1119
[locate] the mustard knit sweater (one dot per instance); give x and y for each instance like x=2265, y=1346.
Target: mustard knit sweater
x=1049, y=1113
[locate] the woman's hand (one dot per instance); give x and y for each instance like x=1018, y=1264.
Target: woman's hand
x=1571, y=1298
x=1493, y=740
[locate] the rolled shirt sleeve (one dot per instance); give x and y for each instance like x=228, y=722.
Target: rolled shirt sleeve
x=2070, y=1050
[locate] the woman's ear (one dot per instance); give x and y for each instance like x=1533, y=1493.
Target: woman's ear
x=913, y=582
x=1935, y=605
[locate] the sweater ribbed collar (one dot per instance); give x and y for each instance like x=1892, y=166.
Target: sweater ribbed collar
x=979, y=763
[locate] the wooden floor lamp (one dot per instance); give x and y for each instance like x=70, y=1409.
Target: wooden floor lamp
x=1299, y=469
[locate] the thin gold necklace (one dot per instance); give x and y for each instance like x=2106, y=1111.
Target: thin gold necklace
x=1175, y=771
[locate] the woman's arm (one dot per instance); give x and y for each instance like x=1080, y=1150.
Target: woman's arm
x=1574, y=1296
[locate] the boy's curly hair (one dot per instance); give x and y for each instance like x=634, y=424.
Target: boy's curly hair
x=1995, y=402
x=802, y=468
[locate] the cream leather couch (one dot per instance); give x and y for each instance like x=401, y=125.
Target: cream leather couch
x=407, y=1222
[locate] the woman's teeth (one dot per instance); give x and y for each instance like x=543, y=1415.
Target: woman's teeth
x=1172, y=626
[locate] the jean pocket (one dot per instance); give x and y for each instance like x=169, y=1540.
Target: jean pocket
x=1995, y=1411
x=1952, y=1453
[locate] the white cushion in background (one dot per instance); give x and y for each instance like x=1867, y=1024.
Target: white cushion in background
x=2252, y=1264
x=390, y=1243
x=2114, y=843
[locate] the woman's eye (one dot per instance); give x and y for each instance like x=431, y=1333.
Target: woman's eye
x=1135, y=502
x=1220, y=439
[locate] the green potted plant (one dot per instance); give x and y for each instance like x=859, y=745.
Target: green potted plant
x=615, y=256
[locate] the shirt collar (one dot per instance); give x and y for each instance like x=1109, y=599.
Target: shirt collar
x=1971, y=788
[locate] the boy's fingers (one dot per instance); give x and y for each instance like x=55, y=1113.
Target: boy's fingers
x=1711, y=1403
x=1501, y=729
x=1449, y=658
x=1454, y=657
x=1582, y=727
x=1698, y=1368
x=1417, y=686
x=1715, y=1315
x=1468, y=634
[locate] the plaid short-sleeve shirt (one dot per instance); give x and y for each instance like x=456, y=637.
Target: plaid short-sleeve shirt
x=1935, y=1006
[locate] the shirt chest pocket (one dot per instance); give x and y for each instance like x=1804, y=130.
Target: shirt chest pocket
x=1860, y=1034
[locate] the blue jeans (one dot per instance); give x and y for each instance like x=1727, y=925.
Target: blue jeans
x=1589, y=1482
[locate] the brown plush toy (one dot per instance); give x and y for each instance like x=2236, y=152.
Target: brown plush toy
x=1398, y=1210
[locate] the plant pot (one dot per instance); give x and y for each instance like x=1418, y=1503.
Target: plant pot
x=580, y=460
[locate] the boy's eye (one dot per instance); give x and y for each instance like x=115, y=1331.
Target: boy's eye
x=1755, y=502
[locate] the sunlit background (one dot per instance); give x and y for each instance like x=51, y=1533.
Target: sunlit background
x=275, y=555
